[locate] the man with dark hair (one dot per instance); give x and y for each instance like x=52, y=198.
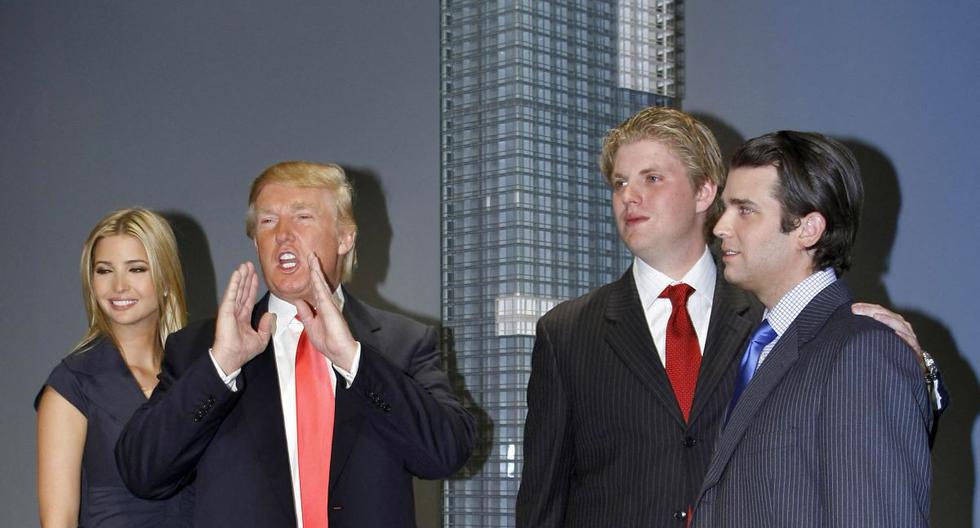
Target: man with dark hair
x=829, y=421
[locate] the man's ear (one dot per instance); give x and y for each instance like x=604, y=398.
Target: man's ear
x=812, y=227
x=705, y=195
x=345, y=241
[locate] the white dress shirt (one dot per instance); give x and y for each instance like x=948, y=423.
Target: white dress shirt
x=650, y=283
x=284, y=341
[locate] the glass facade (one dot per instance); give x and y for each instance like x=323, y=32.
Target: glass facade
x=528, y=90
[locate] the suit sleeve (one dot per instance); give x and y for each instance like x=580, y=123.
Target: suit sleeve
x=548, y=450
x=162, y=443
x=414, y=409
x=874, y=430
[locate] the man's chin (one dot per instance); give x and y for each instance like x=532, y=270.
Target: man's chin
x=290, y=293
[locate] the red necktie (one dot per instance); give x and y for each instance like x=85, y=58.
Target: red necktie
x=683, y=352
x=314, y=430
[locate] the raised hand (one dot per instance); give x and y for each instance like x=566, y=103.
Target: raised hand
x=326, y=328
x=235, y=341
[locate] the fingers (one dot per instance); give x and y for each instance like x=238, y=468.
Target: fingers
x=869, y=309
x=320, y=288
x=241, y=291
x=895, y=322
x=252, y=290
x=230, y=300
x=911, y=340
x=891, y=319
x=860, y=308
x=248, y=277
x=246, y=288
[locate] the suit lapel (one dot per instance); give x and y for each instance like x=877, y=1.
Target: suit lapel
x=262, y=407
x=628, y=335
x=733, y=315
x=347, y=414
x=780, y=360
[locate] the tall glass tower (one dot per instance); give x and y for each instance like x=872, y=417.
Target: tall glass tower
x=528, y=90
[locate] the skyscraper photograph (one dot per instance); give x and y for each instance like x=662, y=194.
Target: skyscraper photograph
x=529, y=89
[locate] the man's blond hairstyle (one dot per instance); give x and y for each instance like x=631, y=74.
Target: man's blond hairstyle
x=689, y=139
x=327, y=176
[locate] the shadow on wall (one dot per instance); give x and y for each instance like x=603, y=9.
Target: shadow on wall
x=728, y=138
x=952, y=455
x=373, y=258
x=195, y=258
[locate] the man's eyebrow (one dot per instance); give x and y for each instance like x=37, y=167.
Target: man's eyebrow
x=293, y=206
x=740, y=201
x=651, y=167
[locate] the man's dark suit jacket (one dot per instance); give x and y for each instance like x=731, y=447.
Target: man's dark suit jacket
x=833, y=430
x=398, y=419
x=605, y=443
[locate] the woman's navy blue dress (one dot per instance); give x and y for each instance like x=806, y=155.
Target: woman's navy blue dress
x=98, y=383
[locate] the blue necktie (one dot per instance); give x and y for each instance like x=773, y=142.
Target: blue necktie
x=763, y=335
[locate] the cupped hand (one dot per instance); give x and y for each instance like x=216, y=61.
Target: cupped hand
x=235, y=341
x=325, y=327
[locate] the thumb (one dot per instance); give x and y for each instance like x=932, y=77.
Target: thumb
x=267, y=325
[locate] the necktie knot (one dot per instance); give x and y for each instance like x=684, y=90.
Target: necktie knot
x=762, y=336
x=678, y=294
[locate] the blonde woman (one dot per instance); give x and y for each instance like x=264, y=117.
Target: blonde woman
x=134, y=298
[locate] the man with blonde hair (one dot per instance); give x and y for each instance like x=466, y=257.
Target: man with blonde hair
x=309, y=408
x=630, y=383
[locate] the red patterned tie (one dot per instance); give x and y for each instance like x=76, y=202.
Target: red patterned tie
x=683, y=352
x=314, y=430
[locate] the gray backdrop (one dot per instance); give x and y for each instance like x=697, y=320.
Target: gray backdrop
x=178, y=106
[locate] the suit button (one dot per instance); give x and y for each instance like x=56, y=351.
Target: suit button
x=690, y=442
x=336, y=508
x=680, y=515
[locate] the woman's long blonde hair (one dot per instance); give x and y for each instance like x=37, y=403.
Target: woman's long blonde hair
x=168, y=280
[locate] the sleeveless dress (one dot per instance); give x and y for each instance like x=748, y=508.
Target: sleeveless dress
x=98, y=383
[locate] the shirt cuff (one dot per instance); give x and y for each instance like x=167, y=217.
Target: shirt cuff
x=230, y=380
x=348, y=376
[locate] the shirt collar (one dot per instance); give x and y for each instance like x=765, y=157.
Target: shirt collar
x=789, y=307
x=285, y=311
x=651, y=282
